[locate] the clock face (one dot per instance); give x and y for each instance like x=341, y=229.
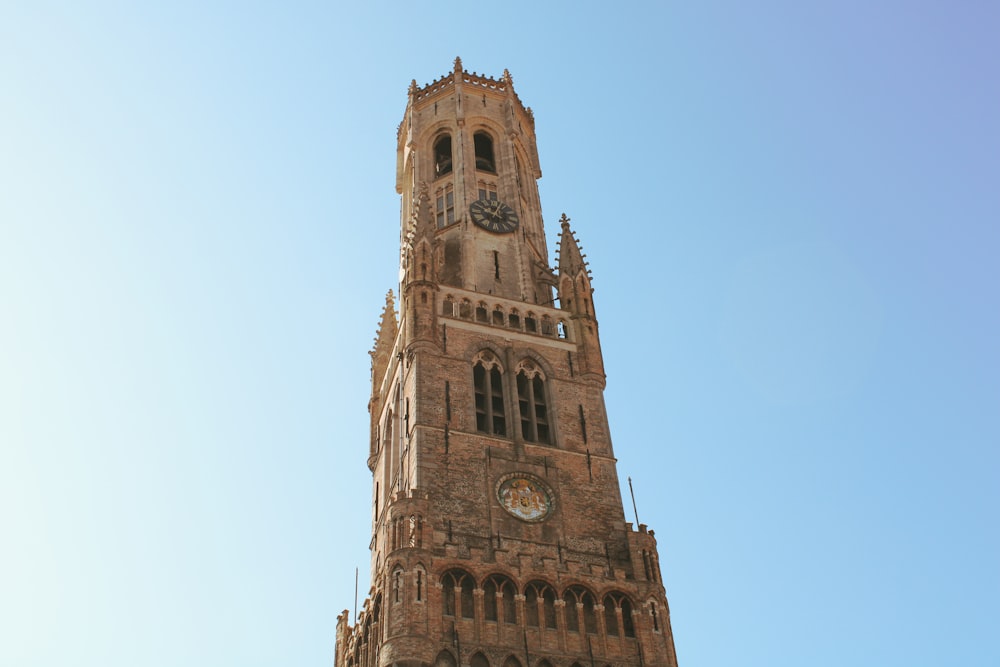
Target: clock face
x=525, y=498
x=493, y=216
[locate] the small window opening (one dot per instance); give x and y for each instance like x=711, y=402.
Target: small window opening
x=498, y=317
x=496, y=265
x=514, y=321
x=481, y=314
x=530, y=324
x=442, y=156
x=484, y=152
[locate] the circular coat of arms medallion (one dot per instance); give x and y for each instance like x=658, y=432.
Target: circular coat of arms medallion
x=524, y=497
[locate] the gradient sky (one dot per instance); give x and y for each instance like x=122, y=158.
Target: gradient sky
x=792, y=214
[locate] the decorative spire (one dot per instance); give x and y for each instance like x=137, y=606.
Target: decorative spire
x=384, y=338
x=570, y=258
x=507, y=77
x=458, y=65
x=413, y=86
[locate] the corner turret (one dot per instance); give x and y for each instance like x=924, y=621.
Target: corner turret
x=576, y=297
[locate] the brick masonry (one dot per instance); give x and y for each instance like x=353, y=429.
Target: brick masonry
x=557, y=577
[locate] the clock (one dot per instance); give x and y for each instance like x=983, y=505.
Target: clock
x=493, y=216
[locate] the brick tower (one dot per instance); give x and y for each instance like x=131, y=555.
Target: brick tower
x=498, y=534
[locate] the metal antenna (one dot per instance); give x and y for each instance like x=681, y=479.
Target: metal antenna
x=634, y=510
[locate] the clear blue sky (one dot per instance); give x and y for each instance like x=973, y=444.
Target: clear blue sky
x=792, y=213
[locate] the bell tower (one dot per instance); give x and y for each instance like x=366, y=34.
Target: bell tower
x=498, y=533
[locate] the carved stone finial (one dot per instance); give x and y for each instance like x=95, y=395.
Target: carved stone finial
x=458, y=65
x=564, y=221
x=413, y=86
x=507, y=77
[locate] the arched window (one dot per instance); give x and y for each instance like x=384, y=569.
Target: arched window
x=618, y=601
x=656, y=620
x=610, y=618
x=397, y=585
x=488, y=383
x=456, y=592
x=627, y=624
x=444, y=659
x=484, y=152
x=580, y=609
x=490, y=600
x=416, y=536
x=531, y=403
x=478, y=660
x=498, y=599
x=442, y=156
x=512, y=662
x=539, y=605
x=420, y=582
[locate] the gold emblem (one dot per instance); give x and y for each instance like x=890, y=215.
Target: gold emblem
x=525, y=498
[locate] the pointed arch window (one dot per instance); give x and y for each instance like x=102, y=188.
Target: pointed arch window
x=531, y=403
x=539, y=605
x=419, y=592
x=580, y=610
x=484, y=152
x=498, y=600
x=614, y=603
x=442, y=156
x=397, y=585
x=456, y=594
x=488, y=383
x=479, y=660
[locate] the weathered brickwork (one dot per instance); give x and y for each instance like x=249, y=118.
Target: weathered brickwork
x=498, y=533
